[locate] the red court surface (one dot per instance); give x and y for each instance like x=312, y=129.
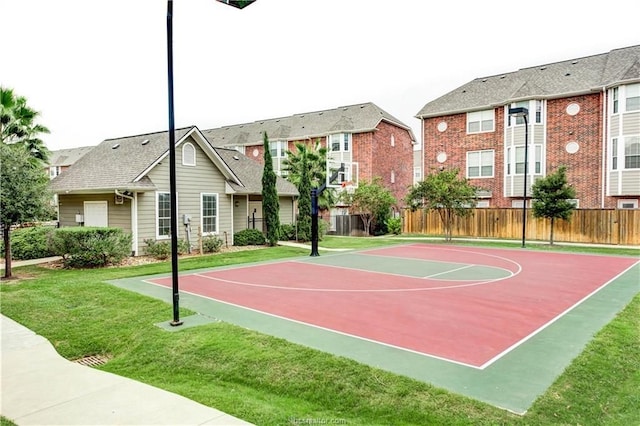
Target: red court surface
x=471, y=322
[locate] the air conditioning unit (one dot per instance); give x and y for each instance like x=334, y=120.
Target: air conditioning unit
x=119, y=199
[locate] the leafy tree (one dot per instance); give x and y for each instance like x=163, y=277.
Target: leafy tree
x=304, y=202
x=445, y=192
x=315, y=156
x=370, y=200
x=23, y=193
x=18, y=126
x=551, y=197
x=270, y=202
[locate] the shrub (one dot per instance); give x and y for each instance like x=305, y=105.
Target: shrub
x=157, y=249
x=31, y=243
x=211, y=244
x=87, y=247
x=394, y=225
x=287, y=231
x=249, y=237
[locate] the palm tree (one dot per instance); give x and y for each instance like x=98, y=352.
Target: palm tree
x=17, y=125
x=314, y=155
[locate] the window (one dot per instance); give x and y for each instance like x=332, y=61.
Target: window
x=54, y=171
x=536, y=113
x=340, y=142
x=632, y=152
x=480, y=163
x=417, y=174
x=393, y=176
x=632, y=97
x=628, y=204
x=188, y=155
x=163, y=207
x=393, y=140
x=515, y=160
x=480, y=121
x=278, y=149
x=209, y=213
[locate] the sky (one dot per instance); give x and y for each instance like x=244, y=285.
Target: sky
x=97, y=70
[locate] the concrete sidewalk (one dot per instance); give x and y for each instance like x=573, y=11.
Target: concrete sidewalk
x=39, y=387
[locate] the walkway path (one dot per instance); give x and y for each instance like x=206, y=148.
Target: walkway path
x=39, y=387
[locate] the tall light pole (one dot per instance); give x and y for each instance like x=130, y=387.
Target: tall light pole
x=240, y=4
x=524, y=113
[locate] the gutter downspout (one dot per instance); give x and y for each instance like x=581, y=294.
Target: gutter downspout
x=134, y=220
x=605, y=133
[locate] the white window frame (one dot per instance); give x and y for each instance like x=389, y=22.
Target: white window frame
x=633, y=202
x=279, y=148
x=485, y=121
x=203, y=216
x=625, y=98
x=417, y=174
x=535, y=157
x=188, y=158
x=482, y=155
x=342, y=140
x=621, y=151
x=160, y=236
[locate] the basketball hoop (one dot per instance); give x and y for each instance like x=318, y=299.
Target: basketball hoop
x=346, y=184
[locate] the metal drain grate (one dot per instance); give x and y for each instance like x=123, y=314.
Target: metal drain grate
x=93, y=360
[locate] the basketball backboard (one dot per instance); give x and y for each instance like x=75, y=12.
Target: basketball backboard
x=342, y=174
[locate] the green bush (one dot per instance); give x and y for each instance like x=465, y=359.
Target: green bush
x=162, y=249
x=87, y=247
x=30, y=243
x=211, y=244
x=394, y=225
x=287, y=232
x=249, y=237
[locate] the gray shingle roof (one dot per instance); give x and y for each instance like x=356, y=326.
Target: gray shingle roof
x=68, y=156
x=121, y=164
x=249, y=172
x=556, y=80
x=116, y=163
x=351, y=118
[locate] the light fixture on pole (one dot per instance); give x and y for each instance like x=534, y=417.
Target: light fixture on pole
x=240, y=4
x=524, y=113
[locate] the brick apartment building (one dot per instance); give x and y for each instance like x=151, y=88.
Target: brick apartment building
x=368, y=139
x=583, y=113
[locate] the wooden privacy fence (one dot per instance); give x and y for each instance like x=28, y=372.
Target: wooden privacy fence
x=600, y=226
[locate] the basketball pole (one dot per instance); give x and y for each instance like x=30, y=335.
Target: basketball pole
x=315, y=193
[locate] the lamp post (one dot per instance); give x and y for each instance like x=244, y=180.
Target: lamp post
x=524, y=113
x=240, y=4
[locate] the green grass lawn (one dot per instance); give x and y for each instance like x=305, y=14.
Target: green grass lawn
x=269, y=381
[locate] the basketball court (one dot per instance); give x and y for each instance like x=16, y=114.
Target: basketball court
x=498, y=325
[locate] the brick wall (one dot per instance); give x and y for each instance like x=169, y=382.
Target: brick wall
x=584, y=167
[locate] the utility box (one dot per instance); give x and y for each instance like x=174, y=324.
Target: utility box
x=186, y=219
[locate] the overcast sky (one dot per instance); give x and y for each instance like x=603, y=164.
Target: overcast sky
x=98, y=69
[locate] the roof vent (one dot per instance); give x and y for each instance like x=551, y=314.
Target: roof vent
x=146, y=141
x=502, y=76
x=543, y=68
x=116, y=146
x=574, y=62
x=567, y=74
x=235, y=157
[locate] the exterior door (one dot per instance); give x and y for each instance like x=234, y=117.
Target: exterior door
x=96, y=213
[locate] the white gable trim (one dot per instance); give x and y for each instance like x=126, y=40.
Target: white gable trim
x=202, y=142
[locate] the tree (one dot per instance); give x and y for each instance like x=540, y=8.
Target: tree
x=315, y=157
x=551, y=197
x=370, y=200
x=23, y=193
x=270, y=202
x=304, y=202
x=446, y=193
x=17, y=125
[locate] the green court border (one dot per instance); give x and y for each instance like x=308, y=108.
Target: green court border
x=513, y=382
